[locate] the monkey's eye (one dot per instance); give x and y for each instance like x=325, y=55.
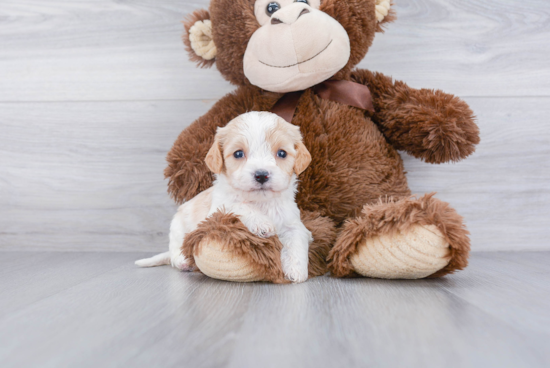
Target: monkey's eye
x=272, y=8
x=281, y=154
x=301, y=1
x=238, y=154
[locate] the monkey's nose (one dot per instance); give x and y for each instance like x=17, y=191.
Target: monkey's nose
x=261, y=176
x=289, y=14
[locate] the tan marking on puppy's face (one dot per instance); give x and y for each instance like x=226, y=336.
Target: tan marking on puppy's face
x=214, y=159
x=220, y=158
x=258, y=143
x=234, y=140
x=287, y=137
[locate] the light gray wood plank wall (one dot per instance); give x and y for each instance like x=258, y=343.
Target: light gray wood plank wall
x=110, y=50
x=93, y=94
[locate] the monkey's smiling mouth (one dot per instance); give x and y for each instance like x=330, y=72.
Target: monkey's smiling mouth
x=300, y=62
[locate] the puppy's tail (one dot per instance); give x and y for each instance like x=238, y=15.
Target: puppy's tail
x=158, y=260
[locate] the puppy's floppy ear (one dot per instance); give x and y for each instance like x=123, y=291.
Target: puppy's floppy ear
x=303, y=158
x=198, y=38
x=214, y=158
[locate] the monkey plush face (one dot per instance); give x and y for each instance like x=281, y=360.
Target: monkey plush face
x=284, y=45
x=296, y=47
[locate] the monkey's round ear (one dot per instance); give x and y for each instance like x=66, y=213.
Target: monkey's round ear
x=384, y=12
x=198, y=39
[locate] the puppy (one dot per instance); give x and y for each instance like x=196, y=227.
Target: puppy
x=257, y=158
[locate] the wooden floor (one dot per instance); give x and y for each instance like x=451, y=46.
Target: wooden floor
x=99, y=310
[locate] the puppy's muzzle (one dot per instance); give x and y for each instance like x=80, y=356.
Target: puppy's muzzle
x=261, y=176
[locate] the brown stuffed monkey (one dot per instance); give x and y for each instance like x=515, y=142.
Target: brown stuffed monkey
x=354, y=196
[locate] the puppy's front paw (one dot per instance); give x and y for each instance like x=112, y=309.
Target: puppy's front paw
x=294, y=271
x=294, y=259
x=261, y=229
x=296, y=276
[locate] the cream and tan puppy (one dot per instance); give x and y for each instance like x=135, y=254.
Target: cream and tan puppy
x=257, y=158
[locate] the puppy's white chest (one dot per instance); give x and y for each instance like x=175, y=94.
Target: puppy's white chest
x=280, y=212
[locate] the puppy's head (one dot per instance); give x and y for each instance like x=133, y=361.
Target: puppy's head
x=258, y=152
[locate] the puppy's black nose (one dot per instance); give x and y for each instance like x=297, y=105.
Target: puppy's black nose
x=261, y=176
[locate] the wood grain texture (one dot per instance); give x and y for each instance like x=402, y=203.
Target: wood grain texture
x=131, y=50
x=468, y=47
x=99, y=50
x=93, y=94
x=494, y=314
x=503, y=189
x=89, y=175
x=29, y=277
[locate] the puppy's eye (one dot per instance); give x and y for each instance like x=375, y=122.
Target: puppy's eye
x=281, y=154
x=301, y=1
x=272, y=8
x=238, y=154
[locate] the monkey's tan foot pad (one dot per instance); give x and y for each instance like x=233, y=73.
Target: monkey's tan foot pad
x=219, y=263
x=417, y=253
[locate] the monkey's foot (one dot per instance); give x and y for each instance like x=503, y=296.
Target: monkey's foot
x=410, y=238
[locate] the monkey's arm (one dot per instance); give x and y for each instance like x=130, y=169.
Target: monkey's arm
x=430, y=125
x=187, y=173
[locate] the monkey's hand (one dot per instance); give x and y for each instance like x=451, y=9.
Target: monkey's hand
x=430, y=125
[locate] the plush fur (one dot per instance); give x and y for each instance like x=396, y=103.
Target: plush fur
x=390, y=216
x=325, y=236
x=430, y=125
x=263, y=253
x=189, y=21
x=355, y=164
